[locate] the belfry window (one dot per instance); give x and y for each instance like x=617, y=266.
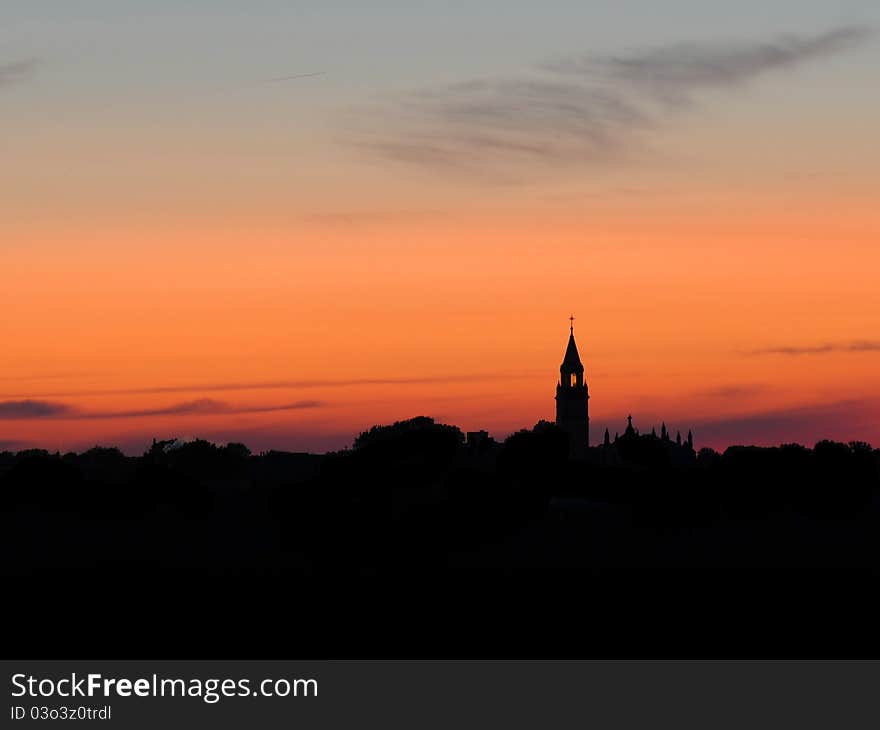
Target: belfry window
x=574, y=380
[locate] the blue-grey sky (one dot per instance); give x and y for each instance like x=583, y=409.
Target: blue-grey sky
x=86, y=81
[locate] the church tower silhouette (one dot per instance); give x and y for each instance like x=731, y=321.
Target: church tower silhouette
x=572, y=409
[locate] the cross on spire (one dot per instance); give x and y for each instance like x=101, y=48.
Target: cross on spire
x=571, y=320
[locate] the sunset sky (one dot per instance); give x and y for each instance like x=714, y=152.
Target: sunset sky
x=283, y=222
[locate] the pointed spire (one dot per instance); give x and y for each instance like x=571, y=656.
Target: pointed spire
x=690, y=439
x=678, y=437
x=572, y=360
x=607, y=437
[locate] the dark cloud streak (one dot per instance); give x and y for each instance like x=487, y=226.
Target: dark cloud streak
x=33, y=409
x=292, y=384
x=27, y=409
x=821, y=349
x=15, y=71
x=841, y=420
x=202, y=406
x=734, y=391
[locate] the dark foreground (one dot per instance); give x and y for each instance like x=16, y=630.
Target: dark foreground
x=415, y=545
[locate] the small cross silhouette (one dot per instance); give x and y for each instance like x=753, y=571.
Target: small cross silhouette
x=571, y=319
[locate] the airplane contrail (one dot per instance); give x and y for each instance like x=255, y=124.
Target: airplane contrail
x=292, y=77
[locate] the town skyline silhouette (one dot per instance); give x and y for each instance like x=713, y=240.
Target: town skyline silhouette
x=572, y=412
x=419, y=510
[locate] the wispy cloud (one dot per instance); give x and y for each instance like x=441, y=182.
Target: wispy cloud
x=820, y=349
x=293, y=384
x=26, y=409
x=501, y=122
x=579, y=110
x=840, y=420
x=46, y=376
x=734, y=391
x=14, y=71
x=201, y=406
x=674, y=73
x=29, y=409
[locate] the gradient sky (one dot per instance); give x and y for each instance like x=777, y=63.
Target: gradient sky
x=283, y=222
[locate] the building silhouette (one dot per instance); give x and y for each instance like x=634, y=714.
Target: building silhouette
x=572, y=407
x=573, y=416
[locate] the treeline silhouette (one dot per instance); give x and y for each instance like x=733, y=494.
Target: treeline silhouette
x=420, y=541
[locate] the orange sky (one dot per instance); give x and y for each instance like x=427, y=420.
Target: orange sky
x=190, y=246
x=459, y=317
